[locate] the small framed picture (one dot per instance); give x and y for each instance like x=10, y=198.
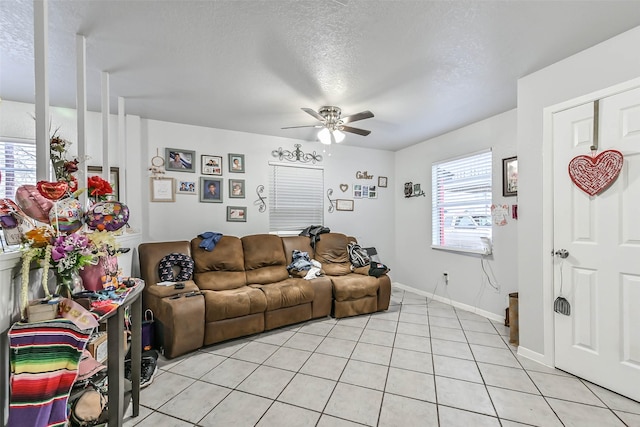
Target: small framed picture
x=186, y=187
x=162, y=190
x=357, y=191
x=236, y=213
x=344, y=205
x=180, y=160
x=510, y=176
x=373, y=192
x=210, y=190
x=211, y=165
x=236, y=163
x=236, y=188
x=382, y=181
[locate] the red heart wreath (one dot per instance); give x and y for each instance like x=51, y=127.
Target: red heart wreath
x=594, y=174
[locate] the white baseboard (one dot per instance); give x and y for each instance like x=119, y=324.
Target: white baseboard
x=456, y=304
x=533, y=355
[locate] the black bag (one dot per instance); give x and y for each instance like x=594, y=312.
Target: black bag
x=377, y=269
x=357, y=255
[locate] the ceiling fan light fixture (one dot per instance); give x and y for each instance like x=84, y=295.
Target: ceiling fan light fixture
x=338, y=135
x=324, y=136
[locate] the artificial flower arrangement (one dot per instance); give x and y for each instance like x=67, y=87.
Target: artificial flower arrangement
x=67, y=242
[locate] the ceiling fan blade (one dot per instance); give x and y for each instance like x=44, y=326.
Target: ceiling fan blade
x=359, y=116
x=314, y=114
x=306, y=126
x=358, y=131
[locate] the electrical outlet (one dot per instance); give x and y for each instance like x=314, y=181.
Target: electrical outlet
x=445, y=274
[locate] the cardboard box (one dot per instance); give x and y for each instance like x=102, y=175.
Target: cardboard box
x=98, y=346
x=37, y=311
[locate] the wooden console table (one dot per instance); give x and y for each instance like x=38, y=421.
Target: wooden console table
x=39, y=334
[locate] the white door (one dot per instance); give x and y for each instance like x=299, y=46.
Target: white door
x=600, y=340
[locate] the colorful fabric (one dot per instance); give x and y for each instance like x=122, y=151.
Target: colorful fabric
x=44, y=359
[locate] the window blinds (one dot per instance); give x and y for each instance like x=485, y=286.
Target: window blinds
x=461, y=202
x=17, y=166
x=296, y=197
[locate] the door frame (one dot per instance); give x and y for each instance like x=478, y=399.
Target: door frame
x=548, y=208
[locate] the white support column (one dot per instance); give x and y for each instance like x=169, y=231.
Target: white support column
x=122, y=151
x=105, y=125
x=81, y=106
x=41, y=53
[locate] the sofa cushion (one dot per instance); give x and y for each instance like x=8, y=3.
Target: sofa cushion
x=220, y=269
x=264, y=260
x=232, y=303
x=354, y=286
x=287, y=293
x=331, y=251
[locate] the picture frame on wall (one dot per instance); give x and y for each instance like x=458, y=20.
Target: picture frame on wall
x=344, y=205
x=236, y=188
x=211, y=165
x=180, y=160
x=114, y=178
x=357, y=191
x=237, y=213
x=236, y=163
x=210, y=190
x=186, y=187
x=162, y=189
x=382, y=181
x=510, y=176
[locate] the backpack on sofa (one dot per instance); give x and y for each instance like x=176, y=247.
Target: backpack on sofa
x=357, y=255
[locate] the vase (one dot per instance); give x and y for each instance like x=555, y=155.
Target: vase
x=69, y=283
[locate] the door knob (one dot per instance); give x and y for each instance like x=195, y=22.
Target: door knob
x=562, y=253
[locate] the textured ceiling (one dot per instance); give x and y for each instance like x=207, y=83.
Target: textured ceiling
x=422, y=67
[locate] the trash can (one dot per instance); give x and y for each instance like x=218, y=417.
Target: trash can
x=514, y=330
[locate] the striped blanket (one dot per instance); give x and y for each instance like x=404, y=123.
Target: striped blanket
x=44, y=364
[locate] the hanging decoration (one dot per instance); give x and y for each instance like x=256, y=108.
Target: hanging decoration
x=297, y=155
x=331, y=201
x=499, y=214
x=262, y=205
x=595, y=173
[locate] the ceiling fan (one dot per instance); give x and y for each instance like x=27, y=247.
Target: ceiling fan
x=333, y=125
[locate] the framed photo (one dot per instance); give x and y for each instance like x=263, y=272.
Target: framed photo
x=373, y=192
x=382, y=181
x=114, y=177
x=162, y=190
x=344, y=205
x=236, y=188
x=210, y=190
x=236, y=163
x=180, y=160
x=211, y=165
x=510, y=176
x=186, y=187
x=357, y=191
x=236, y=213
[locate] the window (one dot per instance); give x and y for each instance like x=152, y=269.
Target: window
x=461, y=192
x=296, y=197
x=17, y=165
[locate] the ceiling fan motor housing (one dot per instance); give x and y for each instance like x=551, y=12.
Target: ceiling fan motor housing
x=332, y=117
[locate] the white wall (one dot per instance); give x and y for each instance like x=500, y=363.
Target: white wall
x=371, y=221
x=606, y=64
x=419, y=266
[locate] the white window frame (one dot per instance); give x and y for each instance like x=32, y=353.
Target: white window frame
x=462, y=192
x=291, y=213
x=28, y=173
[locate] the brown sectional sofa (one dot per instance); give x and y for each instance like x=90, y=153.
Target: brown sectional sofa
x=242, y=287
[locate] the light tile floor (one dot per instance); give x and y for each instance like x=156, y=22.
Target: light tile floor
x=421, y=363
